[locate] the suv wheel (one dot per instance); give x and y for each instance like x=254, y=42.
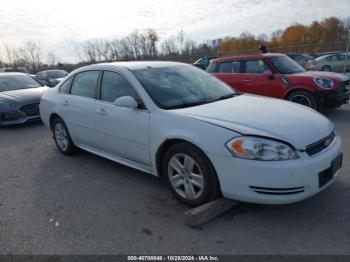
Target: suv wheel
x=303, y=98
x=62, y=138
x=190, y=175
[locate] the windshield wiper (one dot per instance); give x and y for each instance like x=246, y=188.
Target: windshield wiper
x=184, y=105
x=225, y=97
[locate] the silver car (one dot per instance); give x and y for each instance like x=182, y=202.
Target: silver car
x=334, y=63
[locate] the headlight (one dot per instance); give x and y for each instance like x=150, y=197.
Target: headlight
x=260, y=149
x=323, y=82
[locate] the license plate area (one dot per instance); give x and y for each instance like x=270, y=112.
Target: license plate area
x=327, y=175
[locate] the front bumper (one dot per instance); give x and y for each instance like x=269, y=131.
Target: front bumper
x=9, y=118
x=275, y=182
x=334, y=99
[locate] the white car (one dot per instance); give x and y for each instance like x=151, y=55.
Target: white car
x=175, y=121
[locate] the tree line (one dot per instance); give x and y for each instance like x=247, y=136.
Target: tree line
x=147, y=45
x=317, y=37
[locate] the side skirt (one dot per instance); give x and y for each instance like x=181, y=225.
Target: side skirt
x=118, y=159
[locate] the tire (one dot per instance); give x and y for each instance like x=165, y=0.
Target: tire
x=304, y=98
x=62, y=138
x=194, y=183
x=326, y=68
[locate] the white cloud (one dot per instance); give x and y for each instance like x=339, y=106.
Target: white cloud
x=60, y=25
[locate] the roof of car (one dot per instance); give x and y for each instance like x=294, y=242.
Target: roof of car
x=134, y=65
x=13, y=74
x=251, y=56
x=51, y=70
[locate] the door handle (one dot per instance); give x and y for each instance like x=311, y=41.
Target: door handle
x=247, y=80
x=65, y=103
x=101, y=111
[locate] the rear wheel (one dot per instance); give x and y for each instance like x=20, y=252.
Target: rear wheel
x=62, y=138
x=303, y=98
x=190, y=175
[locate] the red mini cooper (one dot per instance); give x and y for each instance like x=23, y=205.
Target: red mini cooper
x=277, y=75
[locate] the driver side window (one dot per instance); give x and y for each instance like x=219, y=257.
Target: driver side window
x=114, y=85
x=257, y=66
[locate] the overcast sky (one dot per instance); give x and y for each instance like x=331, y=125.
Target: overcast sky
x=62, y=25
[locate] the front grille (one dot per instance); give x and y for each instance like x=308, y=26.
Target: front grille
x=9, y=116
x=321, y=145
x=278, y=191
x=31, y=109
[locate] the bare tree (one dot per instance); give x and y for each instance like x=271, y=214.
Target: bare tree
x=169, y=46
x=153, y=38
x=115, y=50
x=89, y=52
x=51, y=58
x=31, y=53
x=181, y=39
x=189, y=47
x=9, y=54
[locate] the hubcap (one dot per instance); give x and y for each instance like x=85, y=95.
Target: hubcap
x=300, y=99
x=185, y=176
x=61, y=136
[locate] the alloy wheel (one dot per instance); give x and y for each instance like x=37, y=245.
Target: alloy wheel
x=185, y=176
x=301, y=99
x=61, y=136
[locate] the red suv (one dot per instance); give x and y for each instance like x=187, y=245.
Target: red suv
x=277, y=75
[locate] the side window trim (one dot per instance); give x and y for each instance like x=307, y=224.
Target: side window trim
x=70, y=86
x=96, y=86
x=98, y=95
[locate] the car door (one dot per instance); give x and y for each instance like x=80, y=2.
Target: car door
x=256, y=80
x=230, y=73
x=121, y=131
x=76, y=106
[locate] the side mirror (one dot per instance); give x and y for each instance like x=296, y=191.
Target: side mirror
x=126, y=101
x=267, y=73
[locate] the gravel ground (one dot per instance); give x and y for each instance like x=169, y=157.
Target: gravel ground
x=52, y=204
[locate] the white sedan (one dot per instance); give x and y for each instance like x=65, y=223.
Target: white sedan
x=177, y=122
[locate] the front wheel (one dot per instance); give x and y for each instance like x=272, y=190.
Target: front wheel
x=62, y=138
x=303, y=98
x=190, y=175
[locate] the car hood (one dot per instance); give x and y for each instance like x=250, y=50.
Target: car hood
x=23, y=95
x=331, y=75
x=255, y=115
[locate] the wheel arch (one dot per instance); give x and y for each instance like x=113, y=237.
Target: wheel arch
x=309, y=90
x=166, y=145
x=53, y=116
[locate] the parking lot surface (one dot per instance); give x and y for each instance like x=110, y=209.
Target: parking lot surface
x=53, y=204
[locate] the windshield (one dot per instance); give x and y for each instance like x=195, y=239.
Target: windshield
x=286, y=65
x=56, y=74
x=16, y=82
x=182, y=86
